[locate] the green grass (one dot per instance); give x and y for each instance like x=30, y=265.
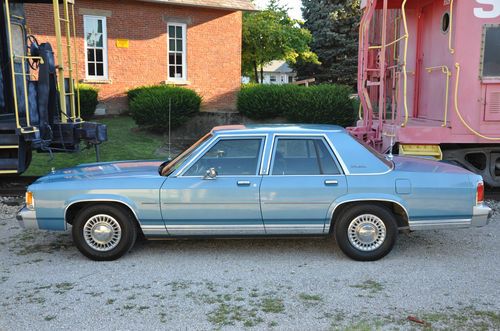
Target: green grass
x=125, y=142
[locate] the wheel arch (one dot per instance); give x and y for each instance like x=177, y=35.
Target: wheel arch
x=396, y=207
x=74, y=207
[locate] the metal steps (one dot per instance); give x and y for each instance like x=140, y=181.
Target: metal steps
x=9, y=152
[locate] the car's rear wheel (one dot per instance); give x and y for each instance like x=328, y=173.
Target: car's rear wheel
x=104, y=232
x=366, y=232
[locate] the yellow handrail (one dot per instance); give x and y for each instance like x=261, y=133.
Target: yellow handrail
x=450, y=33
x=76, y=61
x=12, y=68
x=457, y=66
x=60, y=60
x=403, y=66
x=445, y=70
x=70, y=64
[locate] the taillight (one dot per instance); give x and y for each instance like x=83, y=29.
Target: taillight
x=480, y=193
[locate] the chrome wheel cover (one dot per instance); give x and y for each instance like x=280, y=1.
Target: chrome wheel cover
x=366, y=232
x=102, y=232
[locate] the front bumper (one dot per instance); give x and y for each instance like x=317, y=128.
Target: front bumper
x=481, y=216
x=27, y=218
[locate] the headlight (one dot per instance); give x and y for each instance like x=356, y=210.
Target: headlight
x=30, y=200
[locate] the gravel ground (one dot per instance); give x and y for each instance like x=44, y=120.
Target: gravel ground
x=444, y=279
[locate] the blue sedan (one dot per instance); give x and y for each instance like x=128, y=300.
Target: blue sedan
x=251, y=181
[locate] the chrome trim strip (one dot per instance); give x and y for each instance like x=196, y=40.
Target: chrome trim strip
x=154, y=230
x=439, y=224
x=99, y=200
x=329, y=220
x=481, y=215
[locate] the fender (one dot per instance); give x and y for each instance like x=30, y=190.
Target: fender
x=104, y=198
x=362, y=197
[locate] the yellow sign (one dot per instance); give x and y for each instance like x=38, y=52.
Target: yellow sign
x=122, y=43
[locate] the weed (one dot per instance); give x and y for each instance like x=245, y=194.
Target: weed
x=272, y=305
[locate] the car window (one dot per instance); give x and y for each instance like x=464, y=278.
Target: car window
x=229, y=157
x=300, y=156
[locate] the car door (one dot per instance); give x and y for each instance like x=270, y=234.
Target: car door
x=224, y=203
x=303, y=181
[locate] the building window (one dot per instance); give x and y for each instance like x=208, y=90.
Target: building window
x=177, y=51
x=491, y=51
x=96, y=48
x=272, y=79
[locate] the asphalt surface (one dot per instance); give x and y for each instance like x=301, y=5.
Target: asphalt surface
x=438, y=279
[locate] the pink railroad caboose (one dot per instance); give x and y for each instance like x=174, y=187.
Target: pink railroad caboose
x=429, y=80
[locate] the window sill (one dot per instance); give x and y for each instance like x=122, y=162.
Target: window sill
x=493, y=80
x=176, y=82
x=97, y=81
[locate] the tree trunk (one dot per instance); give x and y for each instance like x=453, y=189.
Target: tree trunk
x=261, y=73
x=256, y=73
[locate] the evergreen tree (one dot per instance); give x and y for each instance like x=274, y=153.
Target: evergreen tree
x=334, y=25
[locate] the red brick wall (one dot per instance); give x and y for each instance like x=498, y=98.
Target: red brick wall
x=213, y=48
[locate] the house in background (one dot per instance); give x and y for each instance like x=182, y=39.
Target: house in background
x=130, y=43
x=278, y=72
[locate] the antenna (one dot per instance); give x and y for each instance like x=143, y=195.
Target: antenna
x=169, y=128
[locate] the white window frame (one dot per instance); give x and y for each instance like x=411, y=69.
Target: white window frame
x=104, y=48
x=184, y=52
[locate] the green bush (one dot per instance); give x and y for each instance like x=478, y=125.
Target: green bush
x=328, y=104
x=149, y=106
x=133, y=93
x=88, y=101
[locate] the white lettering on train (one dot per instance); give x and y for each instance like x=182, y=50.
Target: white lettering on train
x=493, y=12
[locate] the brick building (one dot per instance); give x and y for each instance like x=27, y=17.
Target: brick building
x=192, y=43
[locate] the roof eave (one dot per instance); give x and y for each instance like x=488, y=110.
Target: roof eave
x=166, y=2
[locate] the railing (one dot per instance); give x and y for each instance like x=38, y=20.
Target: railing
x=445, y=70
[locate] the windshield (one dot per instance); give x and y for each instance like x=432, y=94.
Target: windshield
x=175, y=164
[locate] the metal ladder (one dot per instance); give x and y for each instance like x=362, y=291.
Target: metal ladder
x=66, y=66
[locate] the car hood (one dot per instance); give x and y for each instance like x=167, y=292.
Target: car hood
x=419, y=164
x=104, y=170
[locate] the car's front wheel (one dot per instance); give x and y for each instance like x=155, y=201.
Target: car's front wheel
x=366, y=232
x=104, y=232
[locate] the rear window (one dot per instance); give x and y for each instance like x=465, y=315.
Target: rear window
x=378, y=155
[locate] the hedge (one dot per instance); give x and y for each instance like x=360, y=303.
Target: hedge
x=149, y=106
x=88, y=101
x=327, y=103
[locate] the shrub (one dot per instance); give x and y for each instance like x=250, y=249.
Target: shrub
x=88, y=100
x=328, y=104
x=149, y=106
x=133, y=93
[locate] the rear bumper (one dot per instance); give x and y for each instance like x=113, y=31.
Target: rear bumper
x=27, y=218
x=481, y=216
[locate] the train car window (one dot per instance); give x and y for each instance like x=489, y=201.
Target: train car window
x=491, y=51
x=445, y=23
x=18, y=40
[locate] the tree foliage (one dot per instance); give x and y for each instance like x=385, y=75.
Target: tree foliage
x=334, y=26
x=272, y=35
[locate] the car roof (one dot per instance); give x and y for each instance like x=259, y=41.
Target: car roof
x=276, y=128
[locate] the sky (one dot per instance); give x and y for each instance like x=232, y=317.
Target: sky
x=294, y=6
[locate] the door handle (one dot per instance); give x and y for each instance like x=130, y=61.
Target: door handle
x=331, y=182
x=243, y=183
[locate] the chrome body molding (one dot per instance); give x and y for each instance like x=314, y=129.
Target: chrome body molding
x=99, y=200
x=480, y=217
x=439, y=224
x=330, y=219
x=27, y=218
x=292, y=229
x=154, y=230
x=215, y=230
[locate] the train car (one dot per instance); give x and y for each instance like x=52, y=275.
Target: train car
x=39, y=101
x=429, y=81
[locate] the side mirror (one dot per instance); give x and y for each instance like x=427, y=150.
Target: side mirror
x=210, y=174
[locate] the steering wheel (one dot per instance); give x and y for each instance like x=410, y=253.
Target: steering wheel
x=33, y=50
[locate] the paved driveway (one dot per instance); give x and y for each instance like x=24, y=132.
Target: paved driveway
x=443, y=278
